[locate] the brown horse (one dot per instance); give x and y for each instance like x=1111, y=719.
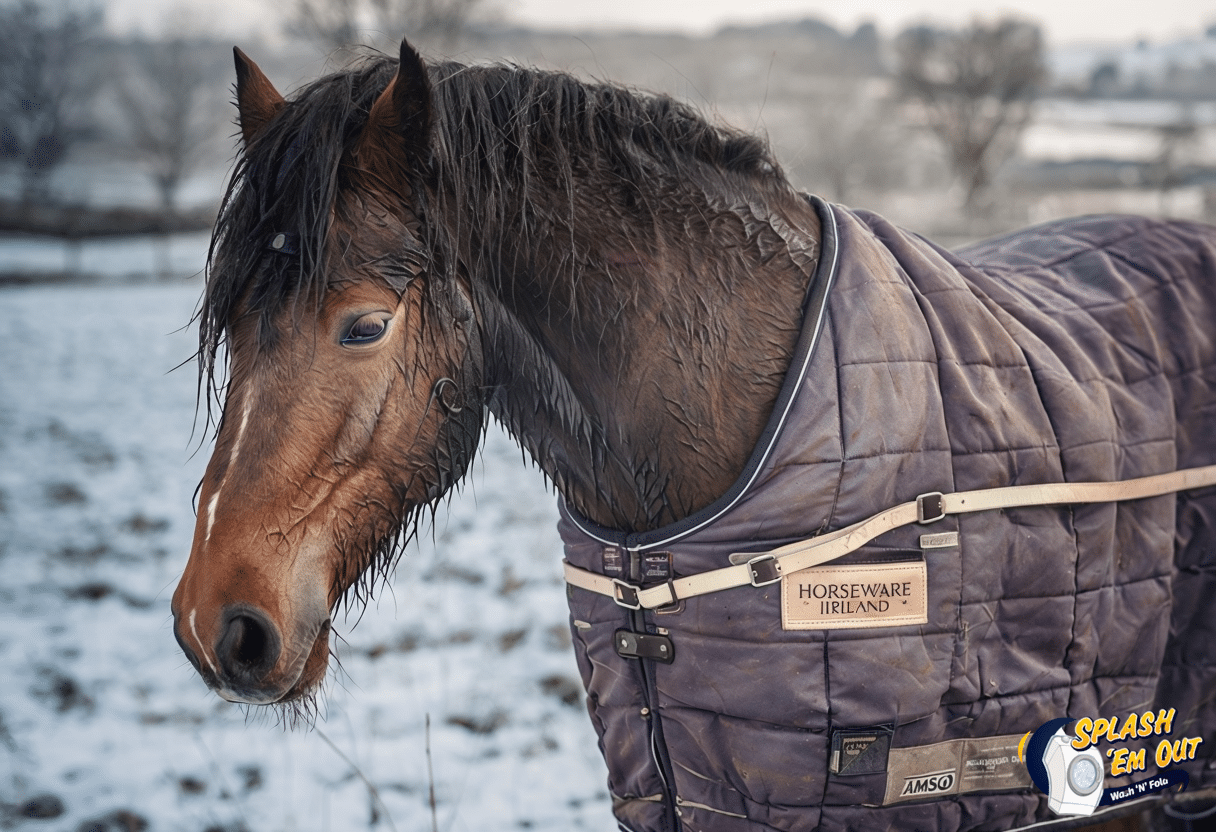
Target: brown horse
x=402, y=250
x=405, y=249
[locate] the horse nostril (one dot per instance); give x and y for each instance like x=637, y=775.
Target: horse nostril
x=249, y=643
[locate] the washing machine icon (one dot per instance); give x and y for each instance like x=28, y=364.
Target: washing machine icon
x=1071, y=779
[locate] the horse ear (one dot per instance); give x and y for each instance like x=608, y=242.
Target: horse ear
x=257, y=101
x=399, y=123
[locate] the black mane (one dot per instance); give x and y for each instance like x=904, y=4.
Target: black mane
x=516, y=150
x=502, y=135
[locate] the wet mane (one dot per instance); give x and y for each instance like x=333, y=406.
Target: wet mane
x=509, y=137
x=503, y=134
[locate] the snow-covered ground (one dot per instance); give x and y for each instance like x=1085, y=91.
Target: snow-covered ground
x=104, y=722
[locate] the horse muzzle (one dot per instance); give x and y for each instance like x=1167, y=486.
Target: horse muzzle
x=244, y=657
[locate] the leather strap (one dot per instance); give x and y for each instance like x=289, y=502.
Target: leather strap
x=768, y=567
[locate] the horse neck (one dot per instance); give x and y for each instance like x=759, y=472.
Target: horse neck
x=640, y=377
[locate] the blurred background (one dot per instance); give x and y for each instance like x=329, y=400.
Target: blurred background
x=117, y=119
x=456, y=705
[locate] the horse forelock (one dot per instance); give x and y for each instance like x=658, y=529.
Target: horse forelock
x=285, y=181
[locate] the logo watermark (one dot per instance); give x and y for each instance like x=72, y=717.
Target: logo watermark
x=1065, y=762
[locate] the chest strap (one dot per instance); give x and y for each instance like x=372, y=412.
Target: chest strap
x=768, y=567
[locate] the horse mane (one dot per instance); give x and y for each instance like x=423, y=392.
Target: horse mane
x=518, y=150
x=502, y=135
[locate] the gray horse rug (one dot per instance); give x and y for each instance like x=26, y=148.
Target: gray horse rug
x=891, y=680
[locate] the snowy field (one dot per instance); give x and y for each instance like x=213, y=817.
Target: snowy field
x=104, y=726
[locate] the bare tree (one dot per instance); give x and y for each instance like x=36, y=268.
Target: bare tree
x=854, y=144
x=333, y=25
x=337, y=25
x=42, y=89
x=169, y=112
x=977, y=86
x=439, y=21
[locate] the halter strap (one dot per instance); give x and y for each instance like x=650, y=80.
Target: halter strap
x=760, y=569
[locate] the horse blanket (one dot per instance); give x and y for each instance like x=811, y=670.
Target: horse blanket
x=890, y=689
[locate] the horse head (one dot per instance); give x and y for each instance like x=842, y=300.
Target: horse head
x=403, y=248
x=352, y=400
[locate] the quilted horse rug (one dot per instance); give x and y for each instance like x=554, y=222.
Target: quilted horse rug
x=892, y=687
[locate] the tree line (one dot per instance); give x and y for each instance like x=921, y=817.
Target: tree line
x=971, y=87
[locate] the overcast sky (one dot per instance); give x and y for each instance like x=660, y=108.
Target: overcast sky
x=1065, y=21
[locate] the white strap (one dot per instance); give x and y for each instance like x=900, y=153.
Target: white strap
x=767, y=567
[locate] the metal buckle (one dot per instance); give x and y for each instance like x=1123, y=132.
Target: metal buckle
x=930, y=507
x=765, y=569
x=625, y=595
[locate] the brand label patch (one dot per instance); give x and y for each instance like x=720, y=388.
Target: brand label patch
x=924, y=785
x=955, y=767
x=860, y=595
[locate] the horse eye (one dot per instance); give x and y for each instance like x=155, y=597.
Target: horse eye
x=366, y=329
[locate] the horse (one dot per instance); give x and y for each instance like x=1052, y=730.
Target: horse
x=725, y=380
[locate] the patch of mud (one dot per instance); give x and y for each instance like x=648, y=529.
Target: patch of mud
x=119, y=820
x=87, y=446
x=61, y=691
x=64, y=494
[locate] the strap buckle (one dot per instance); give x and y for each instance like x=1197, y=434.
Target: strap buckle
x=930, y=507
x=765, y=569
x=626, y=595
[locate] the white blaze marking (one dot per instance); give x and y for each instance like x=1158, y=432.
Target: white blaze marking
x=199, y=642
x=236, y=450
x=210, y=512
x=240, y=433
x=215, y=498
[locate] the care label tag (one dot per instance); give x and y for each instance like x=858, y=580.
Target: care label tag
x=613, y=562
x=955, y=767
x=859, y=751
x=656, y=566
x=858, y=595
